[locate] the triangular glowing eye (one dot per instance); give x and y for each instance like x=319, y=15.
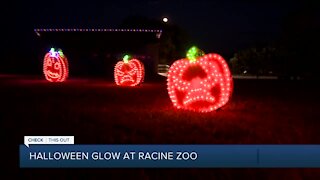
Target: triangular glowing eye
x=120, y=73
x=132, y=72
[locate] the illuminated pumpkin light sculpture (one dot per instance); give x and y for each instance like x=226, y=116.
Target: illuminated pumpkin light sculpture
x=55, y=66
x=201, y=83
x=129, y=72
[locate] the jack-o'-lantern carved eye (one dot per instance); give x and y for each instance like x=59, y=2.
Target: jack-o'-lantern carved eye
x=128, y=72
x=120, y=73
x=194, y=72
x=132, y=72
x=49, y=62
x=57, y=66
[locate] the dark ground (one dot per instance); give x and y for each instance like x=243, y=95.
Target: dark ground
x=98, y=112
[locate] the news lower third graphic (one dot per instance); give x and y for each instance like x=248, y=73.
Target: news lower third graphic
x=61, y=152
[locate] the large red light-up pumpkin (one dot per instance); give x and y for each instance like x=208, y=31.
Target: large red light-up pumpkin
x=55, y=66
x=201, y=83
x=129, y=72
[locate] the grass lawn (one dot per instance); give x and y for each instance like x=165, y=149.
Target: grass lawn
x=98, y=112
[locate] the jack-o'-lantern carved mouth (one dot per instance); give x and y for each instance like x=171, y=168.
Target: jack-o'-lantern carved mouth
x=197, y=97
x=197, y=94
x=126, y=78
x=53, y=74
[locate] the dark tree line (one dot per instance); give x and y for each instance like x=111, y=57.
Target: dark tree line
x=294, y=54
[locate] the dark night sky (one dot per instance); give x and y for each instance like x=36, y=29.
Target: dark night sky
x=223, y=25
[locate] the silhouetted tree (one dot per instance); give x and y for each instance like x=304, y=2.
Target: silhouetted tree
x=174, y=40
x=255, y=61
x=295, y=54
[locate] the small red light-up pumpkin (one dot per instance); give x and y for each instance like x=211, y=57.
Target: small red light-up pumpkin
x=200, y=82
x=55, y=66
x=129, y=72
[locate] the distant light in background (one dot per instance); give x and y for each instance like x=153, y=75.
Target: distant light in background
x=165, y=19
x=158, y=35
x=38, y=34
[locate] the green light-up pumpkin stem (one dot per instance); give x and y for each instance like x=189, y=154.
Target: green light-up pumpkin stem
x=193, y=53
x=126, y=58
x=52, y=50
